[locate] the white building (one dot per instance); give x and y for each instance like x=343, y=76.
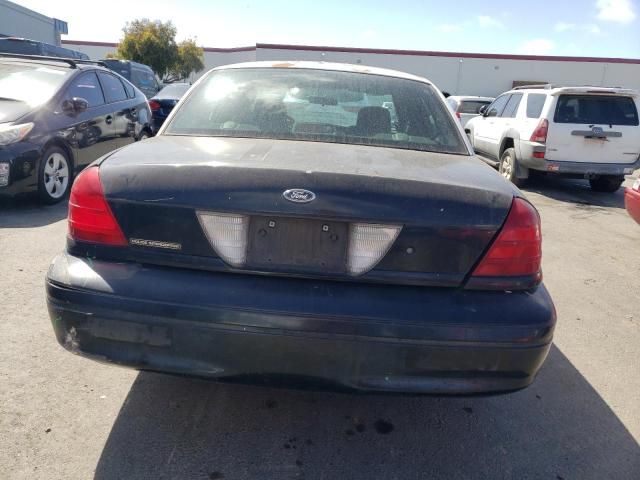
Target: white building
x=456, y=73
x=17, y=21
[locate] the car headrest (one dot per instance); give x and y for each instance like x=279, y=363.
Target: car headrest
x=373, y=120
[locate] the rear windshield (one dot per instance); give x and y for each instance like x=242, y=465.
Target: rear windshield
x=472, y=106
x=319, y=105
x=596, y=109
x=31, y=84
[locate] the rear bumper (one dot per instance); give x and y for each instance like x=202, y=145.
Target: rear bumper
x=586, y=169
x=632, y=203
x=356, y=336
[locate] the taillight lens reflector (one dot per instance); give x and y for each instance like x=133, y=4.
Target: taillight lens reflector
x=540, y=133
x=368, y=243
x=517, y=250
x=90, y=218
x=227, y=234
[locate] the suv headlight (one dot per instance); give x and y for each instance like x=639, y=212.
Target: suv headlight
x=4, y=174
x=14, y=133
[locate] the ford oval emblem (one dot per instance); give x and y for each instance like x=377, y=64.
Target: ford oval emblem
x=299, y=195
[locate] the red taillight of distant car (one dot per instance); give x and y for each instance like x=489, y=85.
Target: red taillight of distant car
x=517, y=250
x=154, y=105
x=90, y=218
x=540, y=133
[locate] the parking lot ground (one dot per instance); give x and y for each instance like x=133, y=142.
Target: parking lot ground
x=65, y=417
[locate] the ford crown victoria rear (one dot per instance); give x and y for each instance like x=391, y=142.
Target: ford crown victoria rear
x=284, y=226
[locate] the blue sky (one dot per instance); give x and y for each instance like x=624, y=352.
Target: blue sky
x=545, y=27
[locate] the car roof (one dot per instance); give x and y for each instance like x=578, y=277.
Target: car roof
x=330, y=66
x=586, y=89
x=52, y=62
x=471, y=97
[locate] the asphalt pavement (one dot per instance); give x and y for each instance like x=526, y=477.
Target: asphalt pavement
x=66, y=417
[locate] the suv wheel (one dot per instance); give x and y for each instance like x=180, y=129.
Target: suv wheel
x=54, y=175
x=507, y=166
x=606, y=183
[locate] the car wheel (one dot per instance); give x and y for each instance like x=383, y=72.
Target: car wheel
x=54, y=175
x=507, y=166
x=607, y=183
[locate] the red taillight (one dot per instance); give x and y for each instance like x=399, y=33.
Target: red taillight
x=517, y=251
x=90, y=218
x=538, y=154
x=540, y=133
x=154, y=105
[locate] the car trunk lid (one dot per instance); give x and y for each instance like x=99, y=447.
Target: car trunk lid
x=440, y=211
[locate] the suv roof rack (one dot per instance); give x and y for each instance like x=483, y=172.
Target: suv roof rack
x=546, y=86
x=72, y=62
x=549, y=86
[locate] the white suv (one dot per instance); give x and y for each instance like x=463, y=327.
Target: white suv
x=583, y=132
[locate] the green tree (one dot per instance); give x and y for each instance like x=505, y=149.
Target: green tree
x=190, y=60
x=150, y=42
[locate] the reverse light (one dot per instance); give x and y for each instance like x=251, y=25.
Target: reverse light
x=368, y=243
x=227, y=234
x=636, y=185
x=540, y=133
x=14, y=133
x=90, y=218
x=517, y=250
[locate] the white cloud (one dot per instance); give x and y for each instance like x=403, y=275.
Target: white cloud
x=449, y=28
x=620, y=11
x=538, y=46
x=593, y=29
x=564, y=27
x=485, y=21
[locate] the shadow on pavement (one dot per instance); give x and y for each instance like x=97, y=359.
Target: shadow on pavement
x=573, y=191
x=559, y=428
x=26, y=212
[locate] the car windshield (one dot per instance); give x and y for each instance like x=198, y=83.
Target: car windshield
x=319, y=105
x=32, y=84
x=173, y=91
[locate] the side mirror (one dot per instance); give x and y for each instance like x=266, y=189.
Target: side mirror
x=482, y=109
x=74, y=106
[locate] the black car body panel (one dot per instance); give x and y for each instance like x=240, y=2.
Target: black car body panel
x=449, y=206
x=250, y=327
x=85, y=136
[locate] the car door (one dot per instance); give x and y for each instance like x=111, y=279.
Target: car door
x=504, y=122
x=90, y=133
x=124, y=113
x=486, y=129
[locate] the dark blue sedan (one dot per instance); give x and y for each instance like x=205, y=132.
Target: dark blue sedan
x=164, y=101
x=284, y=227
